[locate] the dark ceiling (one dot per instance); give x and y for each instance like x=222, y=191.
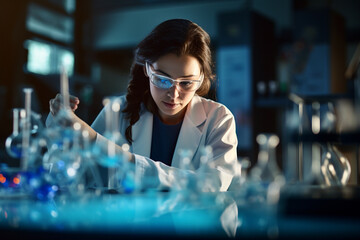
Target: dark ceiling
x=100, y=6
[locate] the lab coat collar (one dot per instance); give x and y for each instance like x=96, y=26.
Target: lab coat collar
x=195, y=112
x=189, y=136
x=190, y=133
x=142, y=133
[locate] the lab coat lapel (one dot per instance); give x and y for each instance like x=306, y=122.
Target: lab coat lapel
x=142, y=133
x=190, y=133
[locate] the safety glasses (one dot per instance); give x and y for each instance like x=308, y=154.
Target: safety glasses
x=164, y=82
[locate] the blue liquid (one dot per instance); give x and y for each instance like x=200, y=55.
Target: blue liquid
x=16, y=151
x=108, y=161
x=128, y=184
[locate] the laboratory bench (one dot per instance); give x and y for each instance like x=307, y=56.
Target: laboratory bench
x=302, y=212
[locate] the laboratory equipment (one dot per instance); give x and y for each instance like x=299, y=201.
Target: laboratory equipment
x=206, y=182
x=335, y=166
x=111, y=153
x=14, y=141
x=265, y=178
x=266, y=170
x=184, y=172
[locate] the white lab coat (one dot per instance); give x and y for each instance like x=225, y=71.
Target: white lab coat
x=206, y=123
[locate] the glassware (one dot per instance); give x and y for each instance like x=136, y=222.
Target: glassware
x=240, y=174
x=107, y=152
x=205, y=179
x=14, y=141
x=108, y=156
x=26, y=127
x=64, y=164
x=91, y=170
x=265, y=178
x=63, y=159
x=335, y=166
x=266, y=170
x=64, y=117
x=185, y=166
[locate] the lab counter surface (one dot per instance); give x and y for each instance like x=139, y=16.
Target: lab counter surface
x=301, y=214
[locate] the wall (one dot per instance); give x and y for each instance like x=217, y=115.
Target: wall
x=125, y=28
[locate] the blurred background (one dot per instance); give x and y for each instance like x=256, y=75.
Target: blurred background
x=263, y=50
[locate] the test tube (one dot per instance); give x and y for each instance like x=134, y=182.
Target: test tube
x=26, y=132
x=64, y=85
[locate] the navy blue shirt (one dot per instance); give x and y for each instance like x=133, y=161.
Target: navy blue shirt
x=163, y=142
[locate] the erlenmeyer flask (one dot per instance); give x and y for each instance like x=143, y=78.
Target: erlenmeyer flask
x=266, y=170
x=335, y=166
x=265, y=178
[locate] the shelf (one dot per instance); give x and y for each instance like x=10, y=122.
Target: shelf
x=273, y=102
x=343, y=138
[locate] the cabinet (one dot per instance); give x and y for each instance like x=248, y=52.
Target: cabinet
x=245, y=59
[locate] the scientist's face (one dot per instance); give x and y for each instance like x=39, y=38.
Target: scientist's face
x=172, y=102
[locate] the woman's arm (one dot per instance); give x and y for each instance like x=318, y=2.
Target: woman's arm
x=55, y=106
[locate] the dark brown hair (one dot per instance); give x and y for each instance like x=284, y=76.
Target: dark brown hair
x=177, y=36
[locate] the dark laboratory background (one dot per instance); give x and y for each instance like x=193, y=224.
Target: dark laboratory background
x=264, y=51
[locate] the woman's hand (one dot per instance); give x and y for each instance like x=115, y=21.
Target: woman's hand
x=56, y=103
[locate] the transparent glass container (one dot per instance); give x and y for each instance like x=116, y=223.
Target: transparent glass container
x=335, y=166
x=13, y=143
x=265, y=178
x=266, y=169
x=110, y=153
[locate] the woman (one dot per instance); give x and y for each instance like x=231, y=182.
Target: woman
x=163, y=111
